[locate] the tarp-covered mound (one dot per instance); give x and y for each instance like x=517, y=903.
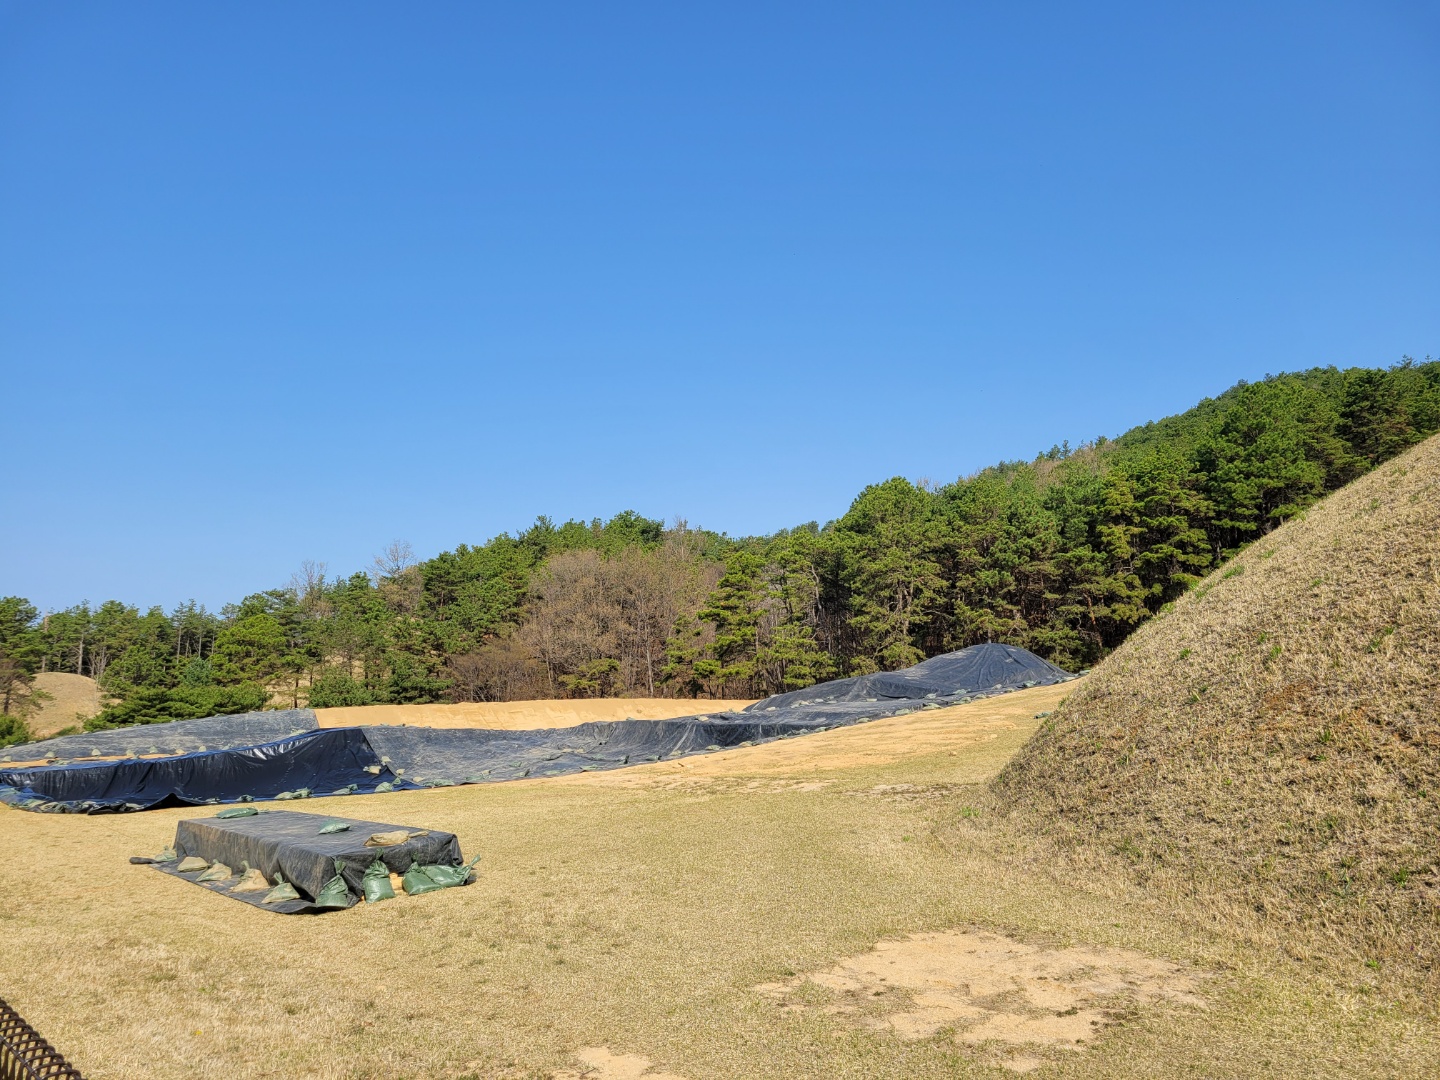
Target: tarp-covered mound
x=350, y=760
x=175, y=737
x=317, y=762
x=977, y=670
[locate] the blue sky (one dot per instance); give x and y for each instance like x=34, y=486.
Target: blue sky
x=284, y=282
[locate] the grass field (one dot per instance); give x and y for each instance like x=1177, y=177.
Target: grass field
x=735, y=915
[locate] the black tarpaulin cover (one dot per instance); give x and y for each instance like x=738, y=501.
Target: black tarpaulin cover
x=321, y=761
x=291, y=844
x=976, y=670
x=173, y=737
x=342, y=759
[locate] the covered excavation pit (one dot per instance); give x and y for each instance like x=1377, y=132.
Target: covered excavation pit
x=286, y=756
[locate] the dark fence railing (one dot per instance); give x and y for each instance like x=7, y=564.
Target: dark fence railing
x=24, y=1055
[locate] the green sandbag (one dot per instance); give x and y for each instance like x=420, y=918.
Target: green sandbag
x=283, y=890
x=334, y=893
x=447, y=877
x=298, y=793
x=376, y=883
x=238, y=811
x=383, y=786
x=218, y=872
x=191, y=863
x=332, y=827
x=417, y=882
x=168, y=855
x=348, y=789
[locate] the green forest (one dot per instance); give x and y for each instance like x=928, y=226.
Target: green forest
x=1065, y=555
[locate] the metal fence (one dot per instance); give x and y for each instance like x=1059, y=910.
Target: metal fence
x=24, y=1055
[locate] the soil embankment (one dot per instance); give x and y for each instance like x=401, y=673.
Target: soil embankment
x=69, y=701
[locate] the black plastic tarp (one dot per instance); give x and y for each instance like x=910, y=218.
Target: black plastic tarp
x=320, y=762
x=290, y=843
x=173, y=737
x=979, y=669
x=333, y=760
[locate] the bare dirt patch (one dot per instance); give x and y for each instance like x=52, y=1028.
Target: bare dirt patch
x=991, y=989
x=599, y=1063
x=71, y=700
x=523, y=715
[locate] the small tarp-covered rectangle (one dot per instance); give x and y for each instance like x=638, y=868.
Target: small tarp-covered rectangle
x=292, y=845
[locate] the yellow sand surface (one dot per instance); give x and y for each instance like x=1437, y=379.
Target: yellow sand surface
x=523, y=715
x=72, y=699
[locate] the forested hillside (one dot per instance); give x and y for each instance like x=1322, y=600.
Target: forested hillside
x=1065, y=555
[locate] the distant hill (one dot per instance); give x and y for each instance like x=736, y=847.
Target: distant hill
x=1270, y=746
x=72, y=699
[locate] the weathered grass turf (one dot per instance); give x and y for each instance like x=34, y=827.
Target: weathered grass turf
x=637, y=910
x=1268, y=753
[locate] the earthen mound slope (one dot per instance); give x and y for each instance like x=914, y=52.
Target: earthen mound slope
x=1270, y=747
x=69, y=701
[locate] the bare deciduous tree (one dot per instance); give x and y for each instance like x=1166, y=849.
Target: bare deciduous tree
x=599, y=625
x=397, y=576
x=500, y=670
x=308, y=584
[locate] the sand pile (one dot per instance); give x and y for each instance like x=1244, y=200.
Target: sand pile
x=523, y=715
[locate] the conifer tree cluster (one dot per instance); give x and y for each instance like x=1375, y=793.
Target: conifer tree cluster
x=1065, y=555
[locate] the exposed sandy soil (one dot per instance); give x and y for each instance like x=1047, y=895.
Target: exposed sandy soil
x=73, y=700
x=522, y=715
x=599, y=1063
x=988, y=988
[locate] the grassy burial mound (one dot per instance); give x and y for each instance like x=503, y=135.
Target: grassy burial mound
x=1271, y=746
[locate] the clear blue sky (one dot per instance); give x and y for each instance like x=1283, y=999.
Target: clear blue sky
x=284, y=282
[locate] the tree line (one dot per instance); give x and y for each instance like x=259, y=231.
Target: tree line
x=1065, y=555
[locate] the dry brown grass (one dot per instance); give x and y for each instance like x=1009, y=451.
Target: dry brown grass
x=70, y=700
x=638, y=911
x=1269, y=752
x=522, y=715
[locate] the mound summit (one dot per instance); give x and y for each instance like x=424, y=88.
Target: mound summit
x=1270, y=747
